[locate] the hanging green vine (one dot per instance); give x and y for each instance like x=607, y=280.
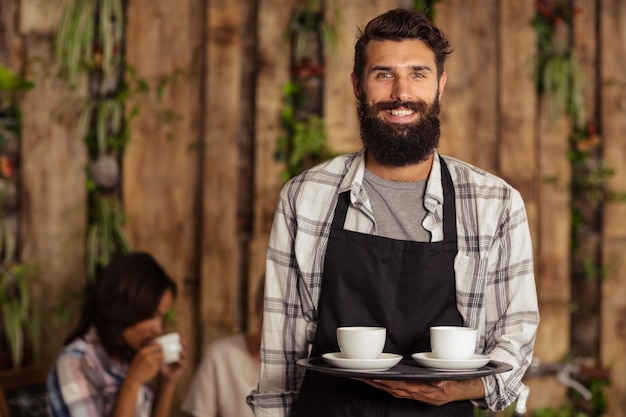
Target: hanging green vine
x=304, y=141
x=558, y=74
x=20, y=324
x=89, y=38
x=90, y=42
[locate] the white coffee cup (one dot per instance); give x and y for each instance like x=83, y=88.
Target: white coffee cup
x=171, y=347
x=453, y=342
x=361, y=342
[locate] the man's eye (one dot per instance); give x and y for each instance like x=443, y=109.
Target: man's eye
x=384, y=75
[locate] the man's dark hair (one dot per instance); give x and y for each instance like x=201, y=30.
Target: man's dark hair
x=129, y=291
x=397, y=25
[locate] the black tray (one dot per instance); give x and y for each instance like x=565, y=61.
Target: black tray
x=406, y=370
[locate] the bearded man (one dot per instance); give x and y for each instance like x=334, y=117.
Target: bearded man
x=397, y=236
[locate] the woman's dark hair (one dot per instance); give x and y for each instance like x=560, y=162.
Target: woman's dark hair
x=397, y=25
x=128, y=291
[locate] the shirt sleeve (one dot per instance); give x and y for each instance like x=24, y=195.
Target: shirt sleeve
x=201, y=397
x=511, y=307
x=284, y=339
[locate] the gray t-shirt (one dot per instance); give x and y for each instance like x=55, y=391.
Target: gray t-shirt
x=398, y=207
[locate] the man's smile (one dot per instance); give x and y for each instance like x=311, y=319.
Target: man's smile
x=401, y=112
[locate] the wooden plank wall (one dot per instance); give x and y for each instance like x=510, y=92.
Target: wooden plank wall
x=161, y=162
x=53, y=159
x=187, y=186
x=613, y=124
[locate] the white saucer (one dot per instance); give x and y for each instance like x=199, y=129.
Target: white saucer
x=428, y=360
x=382, y=363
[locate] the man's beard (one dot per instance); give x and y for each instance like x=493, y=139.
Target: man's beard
x=400, y=144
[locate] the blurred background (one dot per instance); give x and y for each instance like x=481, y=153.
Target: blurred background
x=170, y=126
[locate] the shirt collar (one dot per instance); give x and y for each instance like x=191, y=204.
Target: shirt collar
x=353, y=181
x=107, y=362
x=433, y=195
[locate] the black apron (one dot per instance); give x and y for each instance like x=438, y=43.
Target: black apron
x=370, y=280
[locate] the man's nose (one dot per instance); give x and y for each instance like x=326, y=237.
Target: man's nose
x=401, y=90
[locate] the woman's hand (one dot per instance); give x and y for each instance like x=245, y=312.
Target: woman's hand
x=145, y=364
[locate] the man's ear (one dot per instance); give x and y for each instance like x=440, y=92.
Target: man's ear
x=442, y=83
x=356, y=87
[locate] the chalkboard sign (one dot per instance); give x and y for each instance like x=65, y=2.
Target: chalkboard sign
x=23, y=392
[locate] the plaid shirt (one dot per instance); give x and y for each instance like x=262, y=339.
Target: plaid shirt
x=85, y=381
x=494, y=271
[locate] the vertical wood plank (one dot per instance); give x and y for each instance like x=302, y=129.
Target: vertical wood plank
x=272, y=74
x=469, y=113
x=613, y=125
x=554, y=211
x=220, y=252
x=53, y=186
x=161, y=172
x=518, y=103
x=613, y=333
x=517, y=106
x=553, y=254
x=585, y=292
x=11, y=52
x=517, y=161
x=339, y=101
x=40, y=17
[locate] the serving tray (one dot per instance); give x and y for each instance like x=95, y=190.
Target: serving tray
x=406, y=370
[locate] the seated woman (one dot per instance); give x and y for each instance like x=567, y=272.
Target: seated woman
x=108, y=364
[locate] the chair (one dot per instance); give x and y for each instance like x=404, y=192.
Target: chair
x=23, y=392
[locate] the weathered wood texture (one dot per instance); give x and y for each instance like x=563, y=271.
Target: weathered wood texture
x=339, y=101
x=552, y=246
x=52, y=186
x=161, y=162
x=272, y=73
x=613, y=125
x=200, y=193
x=10, y=36
x=220, y=254
x=469, y=103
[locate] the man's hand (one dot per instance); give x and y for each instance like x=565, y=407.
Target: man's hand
x=431, y=392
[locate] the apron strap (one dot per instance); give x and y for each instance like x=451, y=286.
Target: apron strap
x=449, y=209
x=341, y=210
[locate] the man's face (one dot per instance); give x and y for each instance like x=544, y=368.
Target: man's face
x=399, y=102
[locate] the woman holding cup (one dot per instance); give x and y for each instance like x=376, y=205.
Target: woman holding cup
x=110, y=360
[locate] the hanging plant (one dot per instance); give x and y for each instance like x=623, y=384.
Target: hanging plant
x=305, y=23
x=558, y=74
x=20, y=323
x=304, y=142
x=89, y=38
x=89, y=41
x=21, y=318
